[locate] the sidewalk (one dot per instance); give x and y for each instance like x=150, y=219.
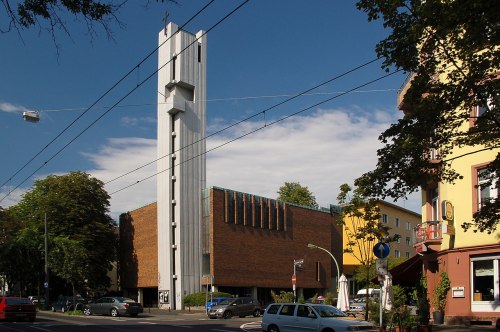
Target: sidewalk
x=463, y=328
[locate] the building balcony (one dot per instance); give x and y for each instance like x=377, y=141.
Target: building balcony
x=402, y=91
x=427, y=236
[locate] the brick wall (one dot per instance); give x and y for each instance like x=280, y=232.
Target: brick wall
x=139, y=248
x=261, y=253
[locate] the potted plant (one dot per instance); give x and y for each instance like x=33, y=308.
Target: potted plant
x=423, y=306
x=439, y=299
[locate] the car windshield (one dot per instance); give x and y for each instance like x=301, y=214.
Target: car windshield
x=17, y=300
x=226, y=301
x=329, y=311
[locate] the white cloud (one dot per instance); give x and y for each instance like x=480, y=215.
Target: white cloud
x=320, y=151
x=129, y=121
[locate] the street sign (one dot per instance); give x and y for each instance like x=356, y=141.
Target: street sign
x=381, y=267
x=294, y=279
x=46, y=285
x=381, y=250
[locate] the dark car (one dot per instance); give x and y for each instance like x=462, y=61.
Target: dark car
x=114, y=306
x=67, y=303
x=17, y=308
x=243, y=306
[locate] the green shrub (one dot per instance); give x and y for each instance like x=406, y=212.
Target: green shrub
x=282, y=297
x=199, y=299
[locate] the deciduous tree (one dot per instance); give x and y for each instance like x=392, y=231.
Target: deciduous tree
x=82, y=235
x=453, y=50
x=293, y=192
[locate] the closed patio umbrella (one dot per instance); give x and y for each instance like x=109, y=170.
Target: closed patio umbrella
x=343, y=298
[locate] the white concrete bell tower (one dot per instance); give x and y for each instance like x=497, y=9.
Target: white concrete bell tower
x=181, y=164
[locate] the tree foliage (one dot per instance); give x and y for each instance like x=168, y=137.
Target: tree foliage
x=82, y=237
x=453, y=50
x=293, y=192
x=51, y=15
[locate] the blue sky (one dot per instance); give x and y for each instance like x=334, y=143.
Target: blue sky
x=264, y=52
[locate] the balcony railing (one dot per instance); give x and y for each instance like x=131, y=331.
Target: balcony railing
x=428, y=232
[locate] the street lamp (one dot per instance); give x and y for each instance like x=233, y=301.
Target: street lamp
x=313, y=246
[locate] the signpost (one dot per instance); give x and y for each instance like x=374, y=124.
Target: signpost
x=381, y=250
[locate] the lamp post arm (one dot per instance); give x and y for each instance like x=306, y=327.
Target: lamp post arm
x=336, y=263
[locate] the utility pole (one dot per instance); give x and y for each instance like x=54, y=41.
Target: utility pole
x=46, y=283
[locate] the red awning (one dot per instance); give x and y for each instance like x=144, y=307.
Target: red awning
x=407, y=273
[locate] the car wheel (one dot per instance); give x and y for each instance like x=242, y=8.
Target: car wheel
x=273, y=328
x=256, y=313
x=86, y=311
x=227, y=314
x=114, y=312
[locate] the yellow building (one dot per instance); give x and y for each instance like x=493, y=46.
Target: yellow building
x=400, y=221
x=471, y=259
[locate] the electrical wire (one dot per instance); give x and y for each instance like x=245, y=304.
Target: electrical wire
x=98, y=100
x=256, y=130
x=305, y=92
x=125, y=96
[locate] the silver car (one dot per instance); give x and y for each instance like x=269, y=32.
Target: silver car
x=288, y=317
x=114, y=306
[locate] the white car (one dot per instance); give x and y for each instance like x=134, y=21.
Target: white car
x=287, y=317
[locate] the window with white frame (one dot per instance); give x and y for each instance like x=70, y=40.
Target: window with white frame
x=407, y=254
x=397, y=222
x=486, y=190
x=434, y=200
x=408, y=226
x=397, y=253
x=385, y=218
x=408, y=241
x=485, y=280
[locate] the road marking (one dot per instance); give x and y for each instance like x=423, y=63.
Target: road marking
x=39, y=328
x=150, y=323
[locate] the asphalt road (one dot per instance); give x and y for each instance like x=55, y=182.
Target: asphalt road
x=159, y=320
x=177, y=322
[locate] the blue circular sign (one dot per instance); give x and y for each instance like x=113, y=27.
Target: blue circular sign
x=381, y=250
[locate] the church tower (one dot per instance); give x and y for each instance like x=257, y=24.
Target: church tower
x=181, y=162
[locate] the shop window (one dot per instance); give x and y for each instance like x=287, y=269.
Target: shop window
x=485, y=280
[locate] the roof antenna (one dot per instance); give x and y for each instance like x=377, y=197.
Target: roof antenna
x=165, y=19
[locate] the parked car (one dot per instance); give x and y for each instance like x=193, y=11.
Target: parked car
x=214, y=301
x=243, y=306
x=67, y=303
x=114, y=306
x=285, y=317
x=17, y=308
x=33, y=299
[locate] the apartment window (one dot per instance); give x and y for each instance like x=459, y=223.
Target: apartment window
x=407, y=254
x=434, y=200
x=408, y=226
x=399, y=238
x=485, y=279
x=408, y=241
x=483, y=189
x=397, y=254
x=385, y=218
x=397, y=222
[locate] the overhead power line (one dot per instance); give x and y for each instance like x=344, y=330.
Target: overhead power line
x=126, y=95
x=292, y=97
x=266, y=125
x=98, y=100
